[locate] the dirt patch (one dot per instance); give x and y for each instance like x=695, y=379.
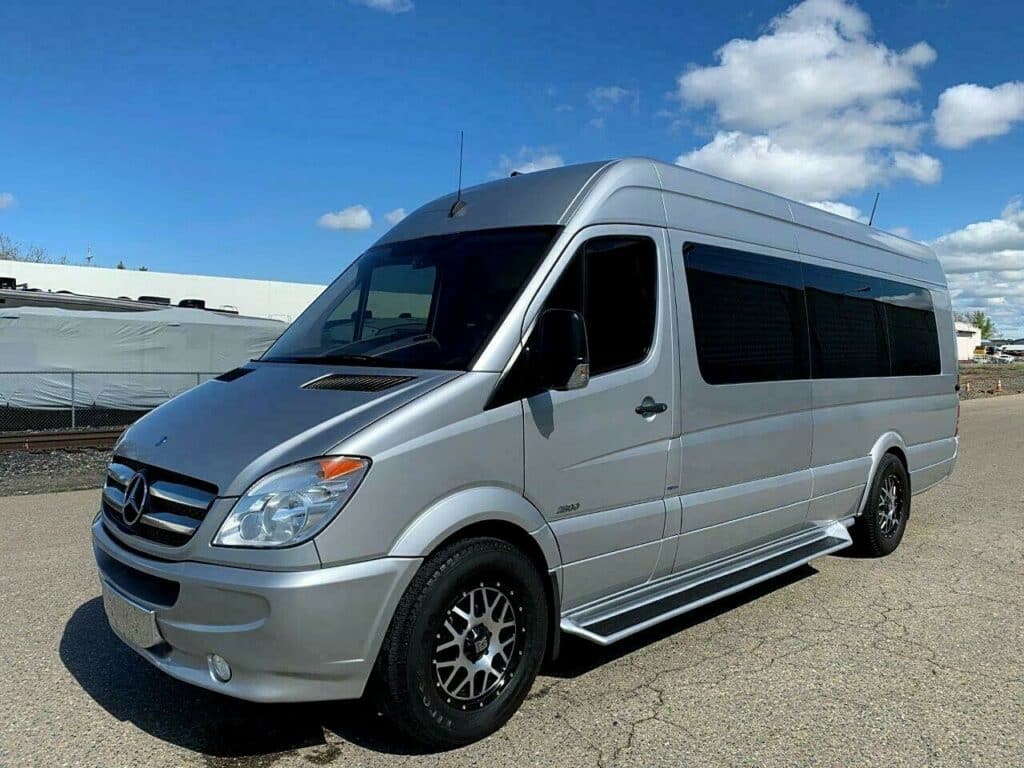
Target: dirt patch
x=988, y=380
x=22, y=472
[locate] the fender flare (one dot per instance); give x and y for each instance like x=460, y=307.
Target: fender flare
x=882, y=445
x=447, y=516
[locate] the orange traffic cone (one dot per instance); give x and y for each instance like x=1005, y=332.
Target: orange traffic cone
x=967, y=387
x=999, y=385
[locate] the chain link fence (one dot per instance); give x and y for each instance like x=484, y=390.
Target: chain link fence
x=61, y=400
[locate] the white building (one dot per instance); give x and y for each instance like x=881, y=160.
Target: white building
x=258, y=298
x=968, y=338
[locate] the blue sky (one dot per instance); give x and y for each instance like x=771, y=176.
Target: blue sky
x=214, y=137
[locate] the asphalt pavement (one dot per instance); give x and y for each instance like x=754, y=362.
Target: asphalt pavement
x=914, y=660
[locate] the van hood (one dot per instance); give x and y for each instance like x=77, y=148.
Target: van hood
x=232, y=432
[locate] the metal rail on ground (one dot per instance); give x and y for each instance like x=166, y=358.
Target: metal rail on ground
x=67, y=440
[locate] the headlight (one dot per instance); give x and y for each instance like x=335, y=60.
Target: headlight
x=292, y=504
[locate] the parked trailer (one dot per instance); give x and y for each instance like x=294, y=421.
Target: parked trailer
x=139, y=356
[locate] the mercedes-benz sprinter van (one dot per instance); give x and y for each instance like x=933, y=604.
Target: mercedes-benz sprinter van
x=578, y=401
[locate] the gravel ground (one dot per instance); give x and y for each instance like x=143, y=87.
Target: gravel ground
x=22, y=472
x=983, y=380
x=912, y=660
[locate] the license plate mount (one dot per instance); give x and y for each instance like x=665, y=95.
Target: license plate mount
x=131, y=622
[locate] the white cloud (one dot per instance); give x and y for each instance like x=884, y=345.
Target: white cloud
x=388, y=6
x=353, y=217
x=563, y=108
x=597, y=123
x=395, y=216
x=984, y=262
x=920, y=167
x=996, y=244
x=815, y=107
x=606, y=97
x=7, y=200
x=970, y=112
x=840, y=209
x=801, y=173
x=528, y=160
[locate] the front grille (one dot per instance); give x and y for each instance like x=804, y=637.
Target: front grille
x=174, y=506
x=351, y=382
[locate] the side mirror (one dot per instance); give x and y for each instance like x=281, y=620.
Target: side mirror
x=563, y=359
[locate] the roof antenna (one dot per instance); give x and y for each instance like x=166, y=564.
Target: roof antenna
x=459, y=205
x=875, y=205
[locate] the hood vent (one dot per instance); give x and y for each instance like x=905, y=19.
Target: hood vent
x=235, y=373
x=350, y=382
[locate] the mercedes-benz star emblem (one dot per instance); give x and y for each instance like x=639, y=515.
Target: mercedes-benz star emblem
x=136, y=494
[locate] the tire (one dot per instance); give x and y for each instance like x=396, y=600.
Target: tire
x=441, y=705
x=879, y=529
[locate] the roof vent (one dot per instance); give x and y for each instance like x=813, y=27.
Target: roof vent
x=350, y=382
x=234, y=373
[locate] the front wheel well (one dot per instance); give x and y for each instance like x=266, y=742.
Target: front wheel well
x=525, y=543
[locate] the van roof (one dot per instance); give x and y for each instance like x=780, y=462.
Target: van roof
x=644, y=191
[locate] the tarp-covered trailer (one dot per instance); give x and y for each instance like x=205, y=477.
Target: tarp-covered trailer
x=131, y=361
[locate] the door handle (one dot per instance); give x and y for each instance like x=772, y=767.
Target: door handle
x=650, y=408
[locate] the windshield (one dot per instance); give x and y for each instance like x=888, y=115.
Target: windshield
x=426, y=303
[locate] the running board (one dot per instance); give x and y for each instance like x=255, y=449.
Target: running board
x=626, y=614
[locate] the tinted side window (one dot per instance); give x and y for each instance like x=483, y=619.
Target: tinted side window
x=749, y=319
x=848, y=336
x=913, y=340
x=863, y=325
x=613, y=282
x=621, y=296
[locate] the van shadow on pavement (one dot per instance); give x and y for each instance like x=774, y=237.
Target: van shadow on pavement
x=225, y=729
x=130, y=689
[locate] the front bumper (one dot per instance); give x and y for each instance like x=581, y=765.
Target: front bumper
x=288, y=635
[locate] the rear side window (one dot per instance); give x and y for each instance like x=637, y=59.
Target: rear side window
x=864, y=326
x=613, y=283
x=749, y=319
x=913, y=340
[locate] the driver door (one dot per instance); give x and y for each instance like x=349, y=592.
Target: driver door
x=595, y=466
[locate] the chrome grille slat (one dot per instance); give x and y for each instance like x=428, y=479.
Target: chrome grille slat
x=179, y=494
x=120, y=473
x=114, y=497
x=167, y=521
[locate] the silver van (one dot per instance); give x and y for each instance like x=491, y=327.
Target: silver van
x=578, y=401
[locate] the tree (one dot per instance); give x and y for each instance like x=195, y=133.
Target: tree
x=12, y=251
x=981, y=321
x=8, y=249
x=120, y=265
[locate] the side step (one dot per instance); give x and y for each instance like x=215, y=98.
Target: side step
x=626, y=614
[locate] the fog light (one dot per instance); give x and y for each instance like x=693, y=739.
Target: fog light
x=219, y=667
